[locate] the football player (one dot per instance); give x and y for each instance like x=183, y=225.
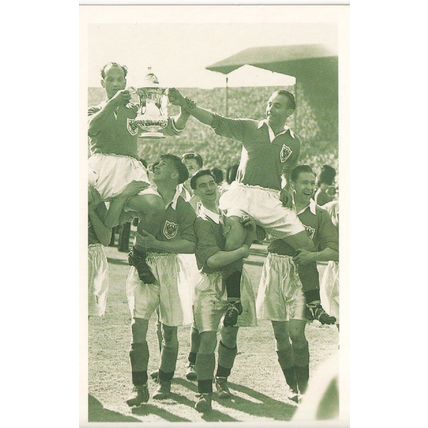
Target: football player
x=114, y=158
x=170, y=293
x=270, y=150
x=210, y=301
x=280, y=296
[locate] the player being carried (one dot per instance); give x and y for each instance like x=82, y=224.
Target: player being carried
x=270, y=150
x=114, y=158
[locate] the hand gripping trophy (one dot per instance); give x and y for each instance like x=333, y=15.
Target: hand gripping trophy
x=152, y=114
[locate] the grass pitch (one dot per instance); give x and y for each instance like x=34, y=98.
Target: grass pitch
x=256, y=381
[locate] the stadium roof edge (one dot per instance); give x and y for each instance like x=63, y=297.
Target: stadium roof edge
x=268, y=56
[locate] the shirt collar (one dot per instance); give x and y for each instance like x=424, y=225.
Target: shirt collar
x=174, y=200
x=271, y=133
x=204, y=211
x=184, y=192
x=312, y=207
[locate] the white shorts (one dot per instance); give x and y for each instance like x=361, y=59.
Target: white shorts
x=170, y=293
x=210, y=302
x=329, y=289
x=264, y=206
x=280, y=296
x=189, y=268
x=98, y=280
x=114, y=172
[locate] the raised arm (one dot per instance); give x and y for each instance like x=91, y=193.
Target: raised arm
x=99, y=117
x=177, y=123
x=176, y=98
x=224, y=126
x=181, y=119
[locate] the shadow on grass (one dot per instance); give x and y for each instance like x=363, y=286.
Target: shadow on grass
x=186, y=383
x=217, y=416
x=267, y=406
x=97, y=413
x=213, y=416
x=153, y=409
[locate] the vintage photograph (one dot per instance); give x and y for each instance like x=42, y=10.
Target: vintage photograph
x=211, y=138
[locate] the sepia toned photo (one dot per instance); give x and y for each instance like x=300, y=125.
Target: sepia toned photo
x=213, y=154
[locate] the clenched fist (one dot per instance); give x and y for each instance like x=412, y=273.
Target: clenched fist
x=175, y=97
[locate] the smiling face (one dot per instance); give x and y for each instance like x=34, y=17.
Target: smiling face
x=304, y=187
x=206, y=189
x=277, y=110
x=114, y=80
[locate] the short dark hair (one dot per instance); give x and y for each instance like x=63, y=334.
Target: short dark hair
x=298, y=170
x=290, y=97
x=183, y=173
x=113, y=64
x=327, y=175
x=196, y=156
x=198, y=174
x=218, y=175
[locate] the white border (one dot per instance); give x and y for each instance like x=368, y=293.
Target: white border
x=387, y=248
x=248, y=14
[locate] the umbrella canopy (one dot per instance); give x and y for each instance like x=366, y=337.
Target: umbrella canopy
x=282, y=59
x=248, y=75
x=314, y=66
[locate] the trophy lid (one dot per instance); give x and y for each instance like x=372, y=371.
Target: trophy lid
x=150, y=79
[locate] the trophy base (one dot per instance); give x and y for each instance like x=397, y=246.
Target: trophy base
x=151, y=134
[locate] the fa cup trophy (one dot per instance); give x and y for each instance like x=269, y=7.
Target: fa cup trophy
x=152, y=115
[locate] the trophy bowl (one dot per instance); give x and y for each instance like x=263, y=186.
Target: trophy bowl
x=152, y=114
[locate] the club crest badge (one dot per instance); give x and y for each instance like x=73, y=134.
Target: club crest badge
x=285, y=153
x=131, y=127
x=311, y=231
x=170, y=230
